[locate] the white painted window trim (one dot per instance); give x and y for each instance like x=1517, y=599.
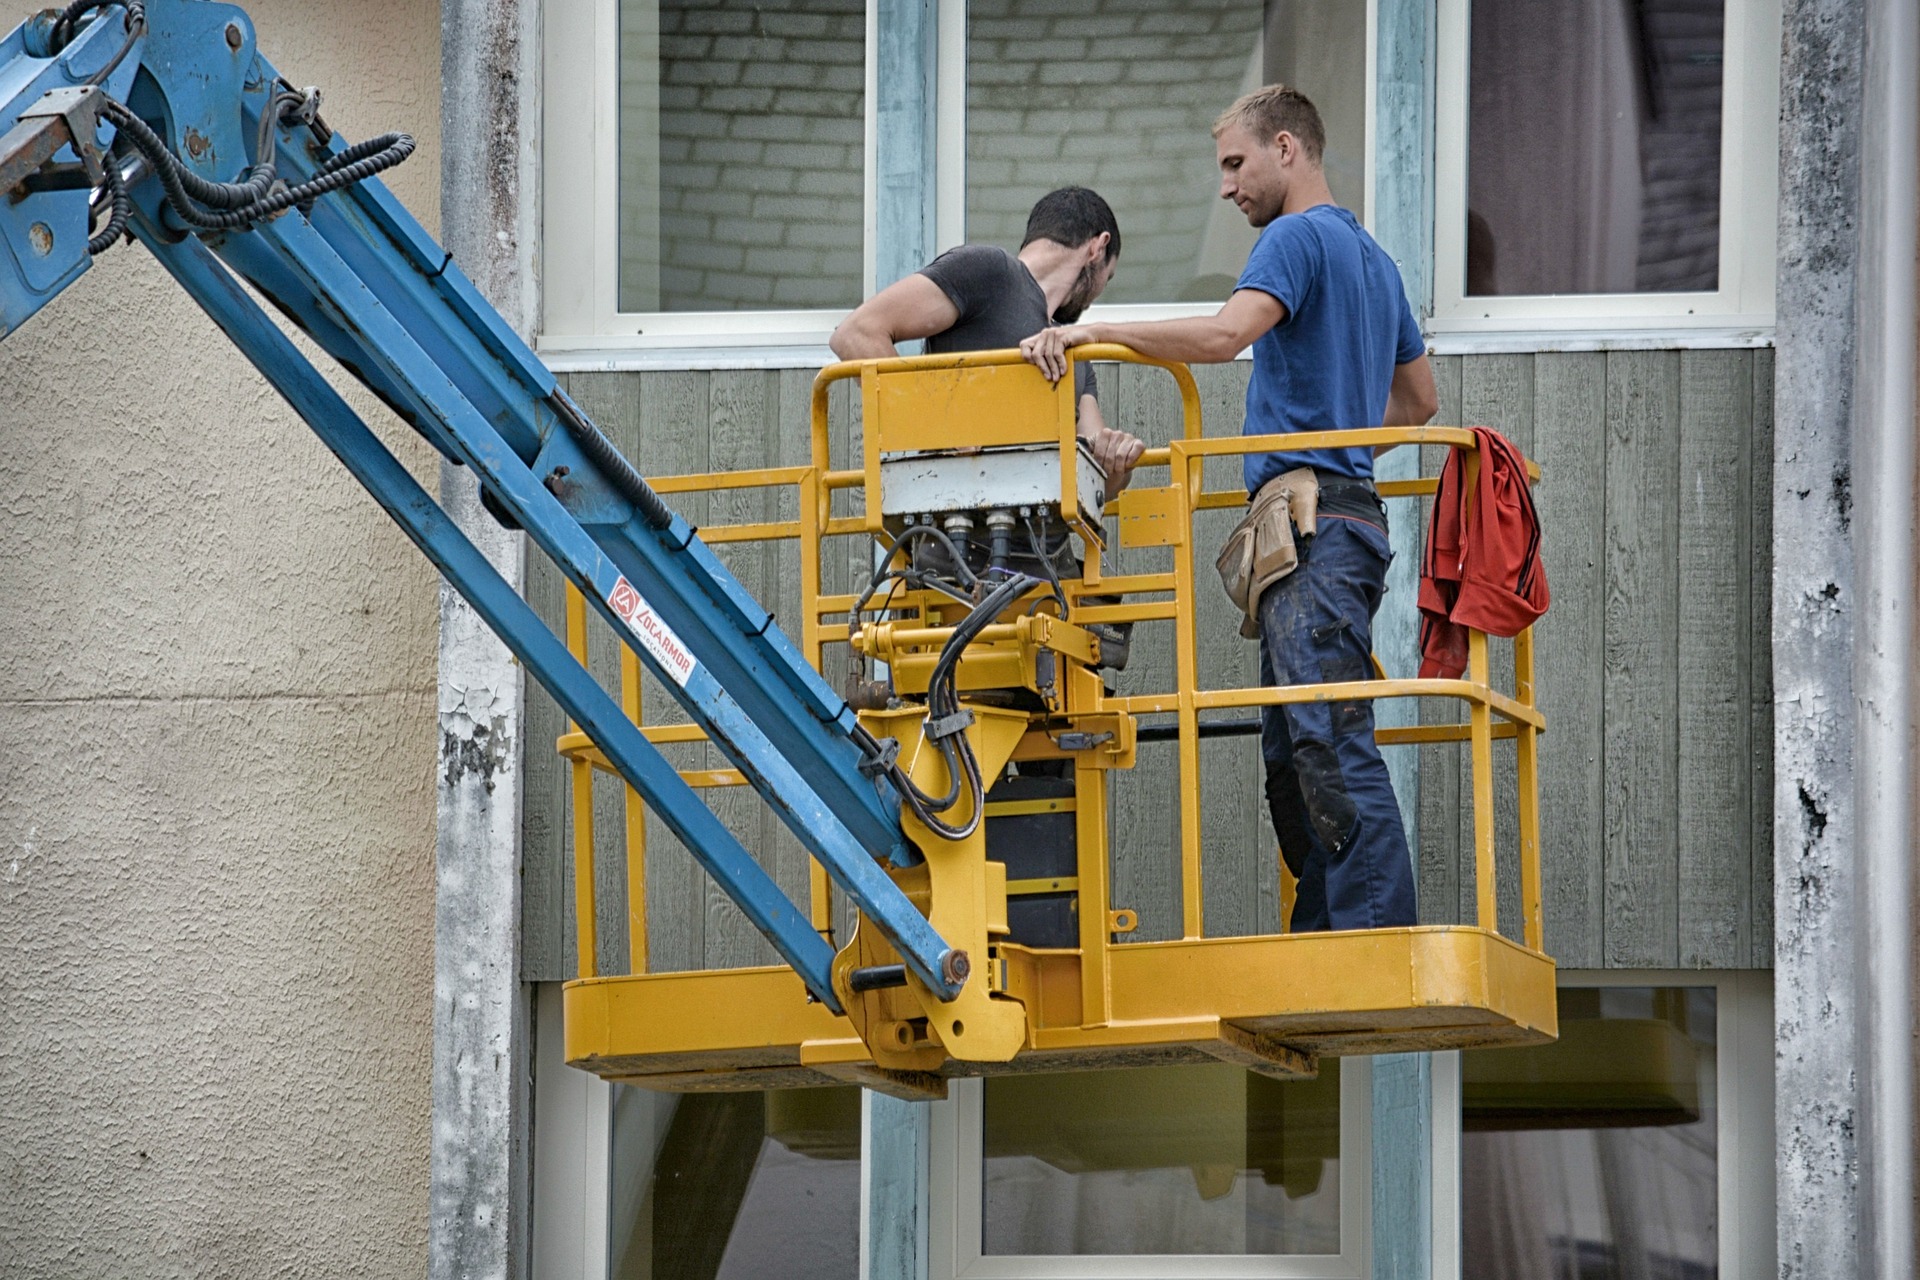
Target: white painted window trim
x=950, y=127
x=1538, y=341
x=1743, y=1072
x=1749, y=181
x=573, y=1135
x=572, y=1153
x=1445, y=1167
x=955, y=1195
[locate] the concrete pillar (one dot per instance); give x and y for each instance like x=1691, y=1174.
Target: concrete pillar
x=1843, y=595
x=482, y=1036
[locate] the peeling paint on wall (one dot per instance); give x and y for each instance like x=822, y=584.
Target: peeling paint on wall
x=480, y=749
x=1815, y=880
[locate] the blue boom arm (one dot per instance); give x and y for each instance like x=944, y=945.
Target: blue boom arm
x=166, y=114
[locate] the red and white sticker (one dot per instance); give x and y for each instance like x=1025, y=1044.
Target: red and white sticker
x=656, y=636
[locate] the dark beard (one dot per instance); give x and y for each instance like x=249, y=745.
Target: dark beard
x=1080, y=297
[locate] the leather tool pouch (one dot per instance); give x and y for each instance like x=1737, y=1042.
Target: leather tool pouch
x=1260, y=551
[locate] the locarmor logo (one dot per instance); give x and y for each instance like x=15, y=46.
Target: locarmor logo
x=655, y=636
x=625, y=600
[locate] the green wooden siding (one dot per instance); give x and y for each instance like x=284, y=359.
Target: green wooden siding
x=1652, y=668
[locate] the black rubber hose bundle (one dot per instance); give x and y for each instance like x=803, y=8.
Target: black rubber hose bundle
x=66, y=27
x=883, y=575
x=119, y=208
x=224, y=206
x=943, y=702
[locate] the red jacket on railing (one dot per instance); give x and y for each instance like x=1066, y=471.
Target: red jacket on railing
x=1484, y=572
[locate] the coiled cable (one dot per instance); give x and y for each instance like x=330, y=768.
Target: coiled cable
x=67, y=26
x=119, y=208
x=225, y=206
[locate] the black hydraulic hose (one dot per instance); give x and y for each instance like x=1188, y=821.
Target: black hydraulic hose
x=65, y=28
x=1038, y=540
x=913, y=532
x=941, y=684
x=231, y=205
x=136, y=27
x=391, y=149
x=882, y=574
x=119, y=208
x=183, y=186
x=627, y=482
x=975, y=786
x=923, y=804
x=365, y=149
x=943, y=701
x=1000, y=546
x=63, y=32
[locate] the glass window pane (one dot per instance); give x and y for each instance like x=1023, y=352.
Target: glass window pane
x=1121, y=96
x=735, y=1186
x=742, y=136
x=1597, y=1157
x=1205, y=1159
x=1593, y=146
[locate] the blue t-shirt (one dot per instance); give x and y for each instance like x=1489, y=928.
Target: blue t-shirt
x=1329, y=365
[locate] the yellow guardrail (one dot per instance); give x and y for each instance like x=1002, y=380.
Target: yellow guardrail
x=1147, y=516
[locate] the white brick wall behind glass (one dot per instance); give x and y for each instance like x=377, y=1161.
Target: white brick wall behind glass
x=1120, y=96
x=741, y=135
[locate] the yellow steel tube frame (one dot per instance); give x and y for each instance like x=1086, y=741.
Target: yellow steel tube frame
x=1102, y=1019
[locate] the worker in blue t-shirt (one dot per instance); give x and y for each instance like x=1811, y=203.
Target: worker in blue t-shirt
x=1335, y=346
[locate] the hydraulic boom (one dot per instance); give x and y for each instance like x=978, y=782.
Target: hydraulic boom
x=164, y=118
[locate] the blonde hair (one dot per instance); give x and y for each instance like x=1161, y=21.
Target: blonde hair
x=1276, y=109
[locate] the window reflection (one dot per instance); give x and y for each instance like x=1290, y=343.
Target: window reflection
x=1596, y=1157
x=735, y=1186
x=1204, y=1159
x=1121, y=97
x=742, y=136
x=1593, y=146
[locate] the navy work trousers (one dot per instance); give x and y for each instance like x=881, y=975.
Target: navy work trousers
x=1327, y=787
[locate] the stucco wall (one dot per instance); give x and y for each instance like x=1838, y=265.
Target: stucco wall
x=217, y=731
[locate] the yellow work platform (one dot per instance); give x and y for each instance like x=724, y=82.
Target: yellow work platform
x=1051, y=980
x=1271, y=1004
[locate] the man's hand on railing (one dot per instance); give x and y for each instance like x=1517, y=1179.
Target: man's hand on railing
x=1047, y=349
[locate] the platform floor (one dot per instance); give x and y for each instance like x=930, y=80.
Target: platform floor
x=1273, y=1004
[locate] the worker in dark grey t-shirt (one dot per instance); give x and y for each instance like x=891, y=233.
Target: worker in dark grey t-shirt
x=982, y=298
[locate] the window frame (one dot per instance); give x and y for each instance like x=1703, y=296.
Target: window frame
x=1743, y=1078
x=580, y=320
x=1749, y=161
x=579, y=205
x=954, y=1194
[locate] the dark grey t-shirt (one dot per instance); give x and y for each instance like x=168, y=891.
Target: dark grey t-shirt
x=999, y=301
